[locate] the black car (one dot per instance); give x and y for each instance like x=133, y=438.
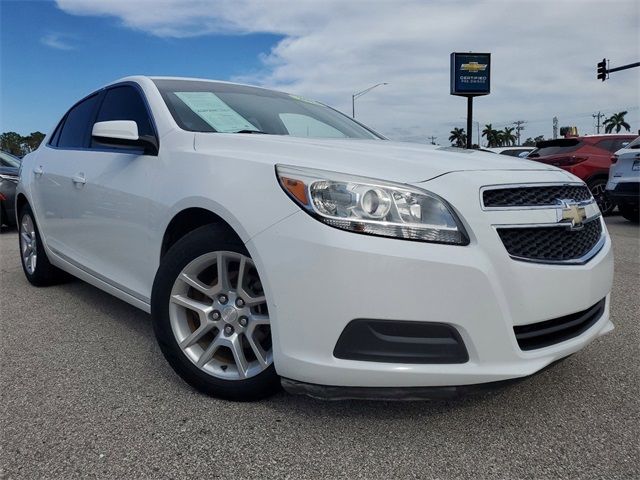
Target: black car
x=9, y=167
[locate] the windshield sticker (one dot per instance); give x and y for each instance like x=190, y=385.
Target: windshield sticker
x=209, y=107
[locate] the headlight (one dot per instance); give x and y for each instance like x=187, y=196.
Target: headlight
x=374, y=207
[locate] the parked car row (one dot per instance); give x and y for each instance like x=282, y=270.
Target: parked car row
x=624, y=181
x=587, y=157
x=9, y=168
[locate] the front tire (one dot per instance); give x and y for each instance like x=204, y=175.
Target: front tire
x=33, y=258
x=211, y=319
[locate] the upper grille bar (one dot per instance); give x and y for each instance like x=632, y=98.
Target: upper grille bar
x=533, y=195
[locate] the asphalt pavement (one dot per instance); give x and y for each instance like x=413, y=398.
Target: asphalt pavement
x=86, y=393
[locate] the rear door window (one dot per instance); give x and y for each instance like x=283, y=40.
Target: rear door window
x=75, y=130
x=555, y=147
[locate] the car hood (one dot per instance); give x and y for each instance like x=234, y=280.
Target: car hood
x=396, y=161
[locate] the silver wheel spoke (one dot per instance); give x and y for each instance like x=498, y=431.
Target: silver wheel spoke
x=192, y=281
x=200, y=308
x=209, y=352
x=238, y=355
x=197, y=334
x=258, y=351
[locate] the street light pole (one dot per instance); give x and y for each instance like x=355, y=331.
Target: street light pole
x=359, y=94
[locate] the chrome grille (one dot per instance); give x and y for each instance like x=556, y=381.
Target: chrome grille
x=551, y=244
x=534, y=196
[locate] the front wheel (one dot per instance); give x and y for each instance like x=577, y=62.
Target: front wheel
x=598, y=189
x=211, y=319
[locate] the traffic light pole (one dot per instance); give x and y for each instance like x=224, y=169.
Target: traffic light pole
x=603, y=72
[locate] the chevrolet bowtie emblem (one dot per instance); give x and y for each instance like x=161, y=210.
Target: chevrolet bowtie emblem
x=473, y=67
x=573, y=212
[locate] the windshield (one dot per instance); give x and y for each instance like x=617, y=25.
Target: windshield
x=8, y=160
x=554, y=147
x=201, y=106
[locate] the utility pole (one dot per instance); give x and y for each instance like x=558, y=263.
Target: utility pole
x=598, y=116
x=555, y=127
x=518, y=124
x=433, y=139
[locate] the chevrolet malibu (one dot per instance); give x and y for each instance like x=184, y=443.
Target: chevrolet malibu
x=276, y=241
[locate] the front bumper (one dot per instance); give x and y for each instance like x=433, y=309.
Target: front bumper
x=625, y=193
x=318, y=279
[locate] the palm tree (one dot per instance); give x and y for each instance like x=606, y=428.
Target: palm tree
x=458, y=137
x=491, y=134
x=507, y=137
x=616, y=121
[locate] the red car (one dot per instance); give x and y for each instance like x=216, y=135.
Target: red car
x=587, y=157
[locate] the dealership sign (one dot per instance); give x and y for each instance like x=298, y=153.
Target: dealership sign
x=470, y=74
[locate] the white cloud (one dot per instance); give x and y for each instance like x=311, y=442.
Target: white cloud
x=544, y=54
x=58, y=41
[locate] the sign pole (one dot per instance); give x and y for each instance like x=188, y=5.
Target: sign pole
x=469, y=121
x=470, y=77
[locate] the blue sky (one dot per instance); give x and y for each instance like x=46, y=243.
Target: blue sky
x=49, y=59
x=544, y=55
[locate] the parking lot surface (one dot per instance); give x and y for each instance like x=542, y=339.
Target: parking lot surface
x=86, y=393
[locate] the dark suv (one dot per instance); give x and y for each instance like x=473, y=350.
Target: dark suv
x=587, y=157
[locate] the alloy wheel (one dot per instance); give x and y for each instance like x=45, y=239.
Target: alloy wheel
x=599, y=192
x=219, y=317
x=28, y=243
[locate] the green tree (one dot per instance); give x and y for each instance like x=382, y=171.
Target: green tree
x=491, y=135
x=531, y=142
x=32, y=141
x=616, y=121
x=11, y=142
x=506, y=136
x=458, y=138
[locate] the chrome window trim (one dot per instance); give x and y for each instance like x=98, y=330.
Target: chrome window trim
x=529, y=185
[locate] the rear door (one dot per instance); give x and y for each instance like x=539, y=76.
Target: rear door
x=56, y=197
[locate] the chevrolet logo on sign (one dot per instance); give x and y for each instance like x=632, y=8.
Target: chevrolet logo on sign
x=571, y=211
x=473, y=67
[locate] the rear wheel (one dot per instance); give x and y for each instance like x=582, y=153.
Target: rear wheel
x=211, y=318
x=598, y=189
x=35, y=264
x=630, y=212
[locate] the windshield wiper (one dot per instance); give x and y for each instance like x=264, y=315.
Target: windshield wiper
x=251, y=131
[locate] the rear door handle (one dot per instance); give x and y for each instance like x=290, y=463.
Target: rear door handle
x=38, y=171
x=79, y=179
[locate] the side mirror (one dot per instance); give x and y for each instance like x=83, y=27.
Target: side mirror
x=124, y=134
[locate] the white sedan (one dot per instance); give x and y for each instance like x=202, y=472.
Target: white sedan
x=276, y=241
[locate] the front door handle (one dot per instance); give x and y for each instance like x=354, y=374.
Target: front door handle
x=38, y=171
x=79, y=179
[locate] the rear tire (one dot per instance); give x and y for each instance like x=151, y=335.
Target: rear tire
x=33, y=258
x=213, y=332
x=630, y=212
x=598, y=188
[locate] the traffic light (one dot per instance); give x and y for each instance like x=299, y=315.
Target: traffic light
x=602, y=70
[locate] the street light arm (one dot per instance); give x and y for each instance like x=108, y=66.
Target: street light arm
x=359, y=94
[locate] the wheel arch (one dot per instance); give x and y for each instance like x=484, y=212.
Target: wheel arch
x=21, y=201
x=188, y=219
